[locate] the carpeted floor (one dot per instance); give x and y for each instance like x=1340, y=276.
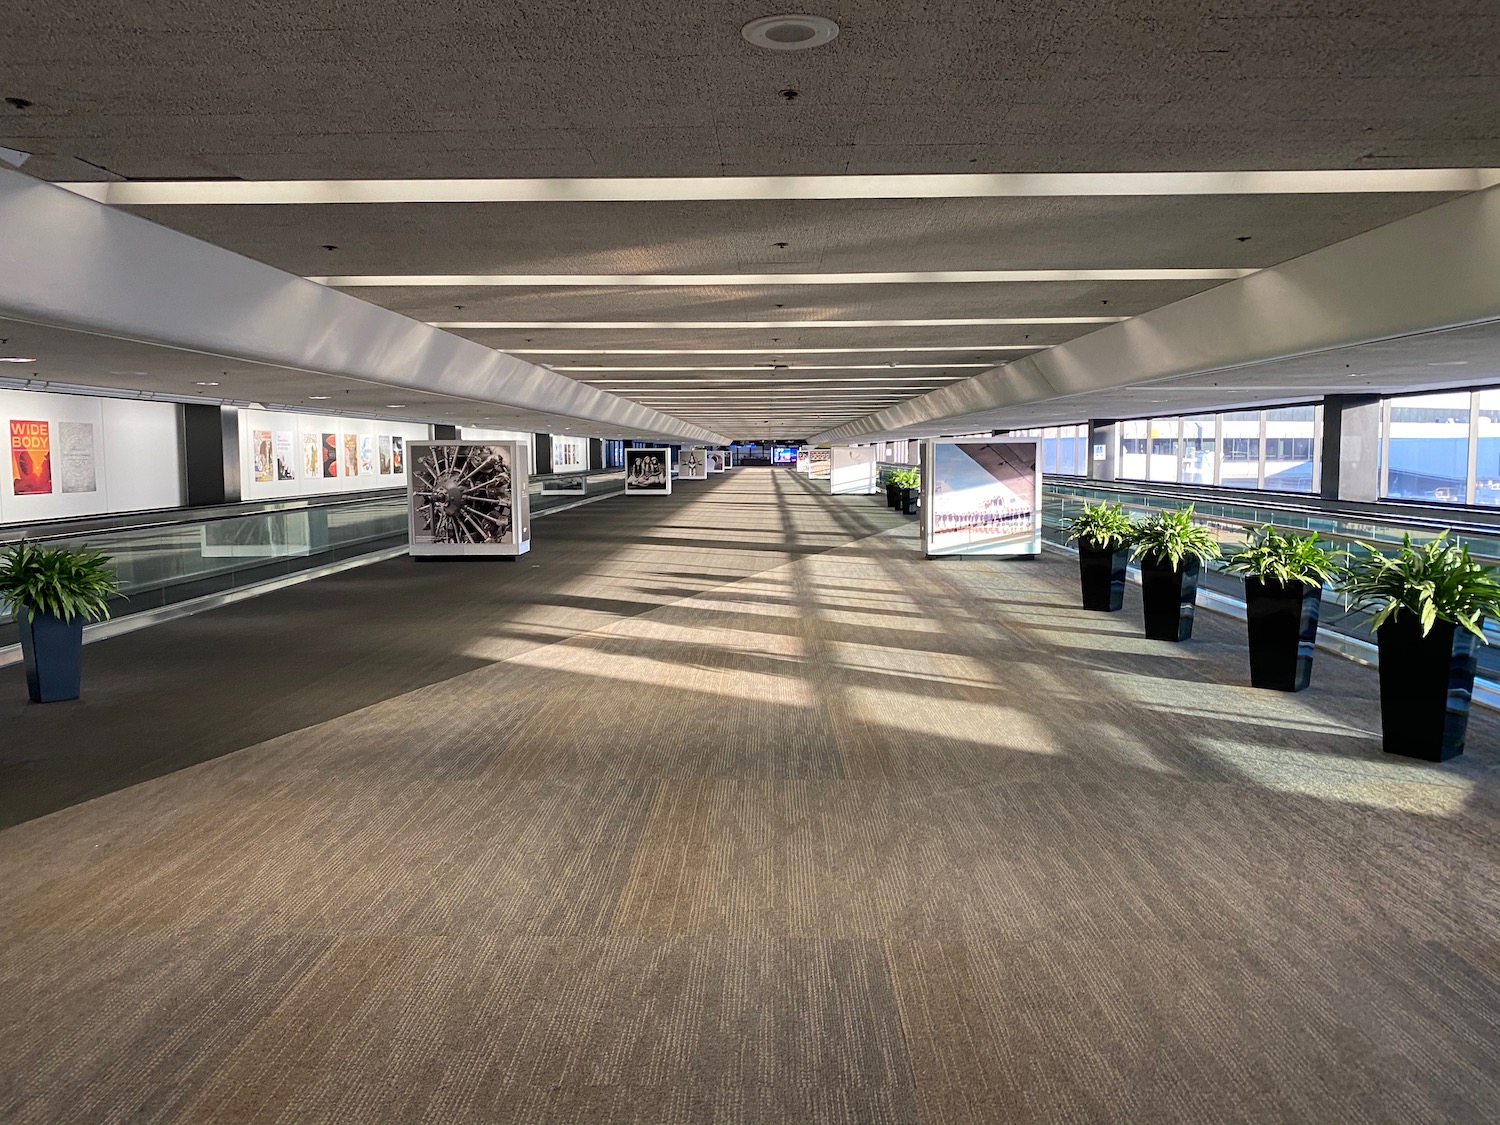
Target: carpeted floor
x=728, y=807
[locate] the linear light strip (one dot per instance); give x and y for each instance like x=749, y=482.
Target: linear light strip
x=853, y=382
x=717, y=280
x=800, y=367
x=657, y=325
x=777, y=351
x=158, y=193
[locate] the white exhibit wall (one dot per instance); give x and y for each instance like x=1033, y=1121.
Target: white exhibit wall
x=87, y=456
x=570, y=454
x=853, y=471
x=297, y=448
x=476, y=433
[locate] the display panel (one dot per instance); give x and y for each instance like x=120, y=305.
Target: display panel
x=819, y=464
x=718, y=460
x=467, y=498
x=692, y=464
x=286, y=465
x=982, y=497
x=30, y=458
x=783, y=455
x=803, y=459
x=569, y=454
x=262, y=456
x=648, y=470
x=853, y=470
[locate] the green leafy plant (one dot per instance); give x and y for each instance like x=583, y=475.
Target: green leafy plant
x=906, y=478
x=1103, y=526
x=1171, y=537
x=66, y=582
x=1273, y=557
x=1438, y=581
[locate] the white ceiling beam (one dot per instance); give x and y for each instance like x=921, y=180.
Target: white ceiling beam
x=1434, y=270
x=738, y=325
x=762, y=280
x=198, y=193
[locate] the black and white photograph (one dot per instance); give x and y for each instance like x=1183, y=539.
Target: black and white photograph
x=461, y=494
x=716, y=460
x=692, y=464
x=648, y=470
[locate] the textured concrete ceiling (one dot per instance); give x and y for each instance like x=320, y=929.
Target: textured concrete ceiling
x=274, y=89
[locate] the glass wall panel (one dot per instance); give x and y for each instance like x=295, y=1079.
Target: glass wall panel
x=1487, y=452
x=1239, y=455
x=1290, y=449
x=1199, y=449
x=1427, y=448
x=1163, y=449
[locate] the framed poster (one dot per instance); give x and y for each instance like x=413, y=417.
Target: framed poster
x=982, y=497
x=398, y=457
x=648, y=470
x=852, y=470
x=286, y=468
x=385, y=455
x=312, y=461
x=351, y=455
x=692, y=464
x=30, y=458
x=819, y=464
x=75, y=442
x=366, y=455
x=330, y=456
x=717, y=460
x=261, y=456
x=569, y=454
x=803, y=456
x=468, y=498
x=783, y=455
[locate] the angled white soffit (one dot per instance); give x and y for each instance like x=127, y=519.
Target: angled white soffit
x=1434, y=270
x=69, y=262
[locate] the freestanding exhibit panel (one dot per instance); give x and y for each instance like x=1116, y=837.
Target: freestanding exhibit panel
x=468, y=498
x=803, y=462
x=717, y=460
x=783, y=455
x=853, y=470
x=648, y=470
x=692, y=464
x=981, y=497
x=819, y=464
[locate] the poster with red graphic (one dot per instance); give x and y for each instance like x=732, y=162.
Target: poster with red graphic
x=30, y=458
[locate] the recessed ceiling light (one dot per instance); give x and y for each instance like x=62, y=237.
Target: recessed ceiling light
x=790, y=33
x=15, y=359
x=394, y=406
x=311, y=397
x=203, y=383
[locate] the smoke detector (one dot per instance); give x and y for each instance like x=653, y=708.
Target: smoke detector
x=790, y=33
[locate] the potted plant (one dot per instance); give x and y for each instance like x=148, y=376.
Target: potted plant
x=1102, y=532
x=908, y=482
x=892, y=493
x=53, y=591
x=1171, y=550
x=1284, y=580
x=1429, y=606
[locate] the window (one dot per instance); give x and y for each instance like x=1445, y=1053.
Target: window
x=1290, y=449
x=1427, y=447
x=1274, y=449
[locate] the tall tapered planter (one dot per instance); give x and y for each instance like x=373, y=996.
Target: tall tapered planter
x=1282, y=621
x=1101, y=570
x=892, y=495
x=909, y=501
x=1426, y=684
x=52, y=651
x=1169, y=595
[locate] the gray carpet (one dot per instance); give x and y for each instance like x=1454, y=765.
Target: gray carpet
x=733, y=809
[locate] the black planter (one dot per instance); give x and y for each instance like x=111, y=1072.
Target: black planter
x=909, y=501
x=1169, y=597
x=1283, y=626
x=52, y=650
x=1425, y=687
x=892, y=495
x=1102, y=572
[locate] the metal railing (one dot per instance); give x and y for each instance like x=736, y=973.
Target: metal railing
x=1341, y=524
